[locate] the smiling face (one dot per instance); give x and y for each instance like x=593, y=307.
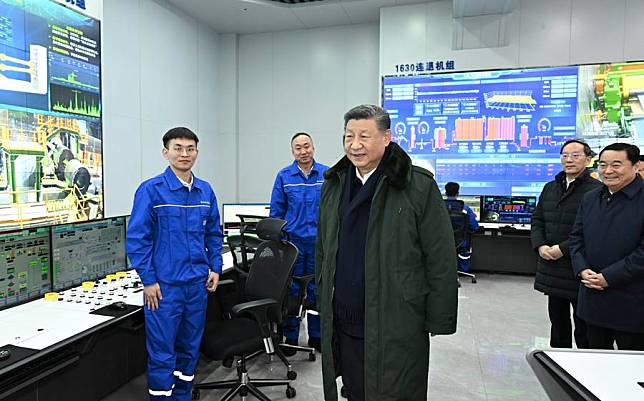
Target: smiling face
x=181, y=153
x=364, y=144
x=616, y=170
x=302, y=149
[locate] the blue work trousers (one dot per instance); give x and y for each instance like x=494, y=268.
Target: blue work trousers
x=305, y=264
x=173, y=336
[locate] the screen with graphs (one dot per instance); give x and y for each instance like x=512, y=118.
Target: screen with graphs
x=24, y=265
x=499, y=132
x=50, y=114
x=507, y=209
x=87, y=251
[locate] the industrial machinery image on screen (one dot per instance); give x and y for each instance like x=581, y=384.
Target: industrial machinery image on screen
x=24, y=265
x=611, y=103
x=87, y=251
x=51, y=168
x=507, y=209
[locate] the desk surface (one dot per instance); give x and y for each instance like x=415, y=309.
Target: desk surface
x=40, y=324
x=608, y=375
x=525, y=227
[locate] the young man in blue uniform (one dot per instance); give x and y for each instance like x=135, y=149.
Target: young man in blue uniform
x=174, y=241
x=296, y=199
x=451, y=191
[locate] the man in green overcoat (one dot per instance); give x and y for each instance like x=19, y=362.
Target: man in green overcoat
x=385, y=266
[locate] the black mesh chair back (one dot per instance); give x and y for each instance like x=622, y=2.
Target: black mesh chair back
x=272, y=266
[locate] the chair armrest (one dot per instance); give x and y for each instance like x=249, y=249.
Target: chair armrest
x=258, y=310
x=225, y=282
x=303, y=281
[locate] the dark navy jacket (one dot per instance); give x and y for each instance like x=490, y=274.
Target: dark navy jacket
x=173, y=235
x=296, y=199
x=608, y=237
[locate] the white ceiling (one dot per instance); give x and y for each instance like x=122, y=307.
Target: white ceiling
x=255, y=16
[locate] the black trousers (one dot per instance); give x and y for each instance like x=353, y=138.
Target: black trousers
x=560, y=325
x=351, y=354
x=603, y=338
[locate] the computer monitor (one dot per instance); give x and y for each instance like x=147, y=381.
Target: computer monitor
x=231, y=223
x=507, y=209
x=87, y=251
x=24, y=265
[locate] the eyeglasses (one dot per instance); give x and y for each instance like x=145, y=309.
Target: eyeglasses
x=572, y=156
x=188, y=149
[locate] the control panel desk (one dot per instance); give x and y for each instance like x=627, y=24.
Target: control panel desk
x=589, y=375
x=75, y=347
x=504, y=249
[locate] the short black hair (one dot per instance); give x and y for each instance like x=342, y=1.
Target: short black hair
x=179, y=133
x=368, y=112
x=632, y=151
x=452, y=188
x=641, y=157
x=587, y=150
x=298, y=134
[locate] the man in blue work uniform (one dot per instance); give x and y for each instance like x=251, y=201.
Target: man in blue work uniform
x=451, y=191
x=174, y=241
x=296, y=198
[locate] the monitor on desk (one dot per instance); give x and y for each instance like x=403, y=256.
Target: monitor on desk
x=87, y=251
x=507, y=209
x=24, y=265
x=229, y=220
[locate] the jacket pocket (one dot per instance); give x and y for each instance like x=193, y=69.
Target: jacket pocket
x=412, y=284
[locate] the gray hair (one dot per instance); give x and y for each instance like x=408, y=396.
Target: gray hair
x=368, y=112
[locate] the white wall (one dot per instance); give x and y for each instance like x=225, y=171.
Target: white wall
x=299, y=81
x=159, y=71
x=537, y=33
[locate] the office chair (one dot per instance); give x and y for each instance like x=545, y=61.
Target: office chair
x=250, y=330
x=460, y=226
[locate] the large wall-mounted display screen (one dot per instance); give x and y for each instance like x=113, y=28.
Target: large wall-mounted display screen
x=499, y=132
x=50, y=115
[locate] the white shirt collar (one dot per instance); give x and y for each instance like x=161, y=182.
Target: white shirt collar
x=186, y=184
x=366, y=176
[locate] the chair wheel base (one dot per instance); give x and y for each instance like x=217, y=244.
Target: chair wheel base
x=291, y=375
x=343, y=392
x=312, y=357
x=196, y=394
x=290, y=392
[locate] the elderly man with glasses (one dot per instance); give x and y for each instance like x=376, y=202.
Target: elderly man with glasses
x=551, y=224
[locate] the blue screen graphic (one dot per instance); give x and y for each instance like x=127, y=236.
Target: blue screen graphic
x=494, y=132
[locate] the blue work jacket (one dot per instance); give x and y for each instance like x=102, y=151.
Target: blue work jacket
x=173, y=235
x=296, y=199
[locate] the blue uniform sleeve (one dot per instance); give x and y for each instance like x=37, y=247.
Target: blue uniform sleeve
x=576, y=240
x=140, y=235
x=474, y=225
x=278, y=199
x=214, y=237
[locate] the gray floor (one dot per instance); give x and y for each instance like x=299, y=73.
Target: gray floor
x=500, y=319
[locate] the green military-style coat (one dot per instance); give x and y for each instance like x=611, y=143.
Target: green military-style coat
x=410, y=278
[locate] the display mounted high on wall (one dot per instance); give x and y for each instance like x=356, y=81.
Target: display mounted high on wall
x=51, y=168
x=499, y=132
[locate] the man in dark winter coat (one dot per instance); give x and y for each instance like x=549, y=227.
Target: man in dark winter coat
x=607, y=250
x=551, y=224
x=385, y=266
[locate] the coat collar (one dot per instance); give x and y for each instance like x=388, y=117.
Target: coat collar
x=397, y=170
x=173, y=182
x=630, y=190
